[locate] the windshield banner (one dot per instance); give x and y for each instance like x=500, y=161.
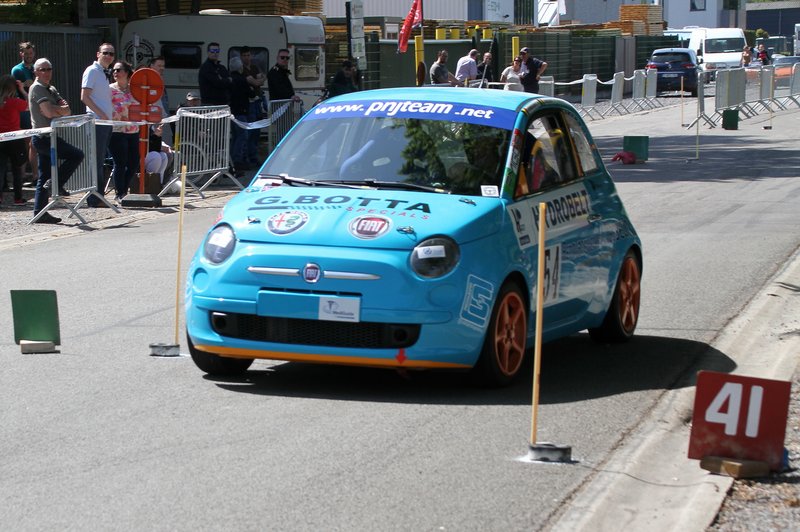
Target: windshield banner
x=454, y=112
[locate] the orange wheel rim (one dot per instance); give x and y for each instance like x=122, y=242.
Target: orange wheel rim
x=629, y=292
x=510, y=334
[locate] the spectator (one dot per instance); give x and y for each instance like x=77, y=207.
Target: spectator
x=159, y=65
x=747, y=55
x=344, y=80
x=24, y=73
x=280, y=86
x=532, y=70
x=439, y=73
x=510, y=75
x=13, y=151
x=239, y=107
x=192, y=100
x=255, y=81
x=485, y=73
x=96, y=95
x=159, y=157
x=467, y=68
x=45, y=104
x=762, y=54
x=214, y=79
x=124, y=142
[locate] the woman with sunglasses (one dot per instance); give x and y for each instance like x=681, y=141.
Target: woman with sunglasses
x=124, y=143
x=510, y=76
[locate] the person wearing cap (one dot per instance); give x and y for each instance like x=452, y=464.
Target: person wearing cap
x=45, y=104
x=467, y=67
x=344, y=81
x=192, y=99
x=532, y=69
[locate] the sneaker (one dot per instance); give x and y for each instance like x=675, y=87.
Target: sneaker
x=46, y=185
x=63, y=192
x=48, y=218
x=21, y=201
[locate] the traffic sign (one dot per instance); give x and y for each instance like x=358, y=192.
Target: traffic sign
x=739, y=417
x=146, y=86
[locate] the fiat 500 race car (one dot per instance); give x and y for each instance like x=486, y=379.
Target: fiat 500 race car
x=398, y=228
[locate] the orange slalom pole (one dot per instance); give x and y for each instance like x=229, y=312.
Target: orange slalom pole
x=537, y=352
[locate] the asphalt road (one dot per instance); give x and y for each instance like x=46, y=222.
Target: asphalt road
x=103, y=436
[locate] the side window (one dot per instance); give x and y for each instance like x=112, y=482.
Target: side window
x=307, y=63
x=546, y=160
x=584, y=150
x=259, y=56
x=182, y=55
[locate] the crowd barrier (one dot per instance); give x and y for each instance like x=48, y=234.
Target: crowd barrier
x=283, y=114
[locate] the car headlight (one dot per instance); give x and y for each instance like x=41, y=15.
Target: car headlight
x=219, y=244
x=435, y=257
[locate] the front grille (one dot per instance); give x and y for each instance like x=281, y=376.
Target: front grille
x=315, y=332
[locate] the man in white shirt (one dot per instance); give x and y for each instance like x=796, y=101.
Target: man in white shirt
x=96, y=95
x=467, y=67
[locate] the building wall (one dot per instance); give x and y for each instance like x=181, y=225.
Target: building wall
x=438, y=9
x=678, y=14
x=777, y=18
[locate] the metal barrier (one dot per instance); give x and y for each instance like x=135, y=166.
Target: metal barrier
x=589, y=96
x=794, y=87
x=547, y=86
x=701, y=103
x=766, y=92
x=651, y=88
x=638, y=98
x=282, y=114
x=730, y=91
x=202, y=143
x=73, y=133
x=617, y=95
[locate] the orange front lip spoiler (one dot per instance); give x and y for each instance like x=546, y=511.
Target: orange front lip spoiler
x=399, y=361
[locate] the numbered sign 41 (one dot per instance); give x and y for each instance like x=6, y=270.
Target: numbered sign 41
x=739, y=417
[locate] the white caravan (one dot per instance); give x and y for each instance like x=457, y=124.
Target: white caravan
x=182, y=41
x=717, y=48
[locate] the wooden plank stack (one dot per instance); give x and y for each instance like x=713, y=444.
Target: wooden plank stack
x=650, y=16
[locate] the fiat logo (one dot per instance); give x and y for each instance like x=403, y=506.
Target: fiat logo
x=312, y=273
x=368, y=227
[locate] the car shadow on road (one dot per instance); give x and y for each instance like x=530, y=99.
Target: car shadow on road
x=573, y=369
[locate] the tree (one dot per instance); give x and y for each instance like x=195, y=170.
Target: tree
x=45, y=12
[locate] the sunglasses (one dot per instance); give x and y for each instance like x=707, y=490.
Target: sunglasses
x=283, y=57
x=107, y=53
x=213, y=50
x=44, y=69
x=119, y=70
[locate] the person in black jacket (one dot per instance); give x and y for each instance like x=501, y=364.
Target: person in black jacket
x=240, y=103
x=344, y=81
x=280, y=86
x=214, y=79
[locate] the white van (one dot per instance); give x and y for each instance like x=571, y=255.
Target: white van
x=182, y=41
x=717, y=48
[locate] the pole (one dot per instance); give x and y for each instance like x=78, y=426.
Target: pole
x=537, y=353
x=180, y=244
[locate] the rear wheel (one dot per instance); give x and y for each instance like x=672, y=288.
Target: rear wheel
x=217, y=365
x=504, y=345
x=623, y=313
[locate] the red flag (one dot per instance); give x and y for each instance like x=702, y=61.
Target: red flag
x=413, y=20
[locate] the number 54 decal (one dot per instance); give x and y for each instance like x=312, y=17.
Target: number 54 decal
x=552, y=275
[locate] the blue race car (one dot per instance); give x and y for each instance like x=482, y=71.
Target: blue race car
x=398, y=228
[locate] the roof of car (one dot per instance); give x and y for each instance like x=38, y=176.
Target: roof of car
x=673, y=50
x=510, y=100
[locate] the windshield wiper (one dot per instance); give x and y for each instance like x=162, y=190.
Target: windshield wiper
x=396, y=184
x=299, y=181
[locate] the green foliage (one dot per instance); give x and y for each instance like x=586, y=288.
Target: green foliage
x=45, y=12
x=762, y=34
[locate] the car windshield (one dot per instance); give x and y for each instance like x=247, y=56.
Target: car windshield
x=717, y=46
x=671, y=58
x=439, y=155
x=786, y=60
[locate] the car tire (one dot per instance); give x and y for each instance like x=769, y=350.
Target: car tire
x=623, y=313
x=504, y=346
x=218, y=365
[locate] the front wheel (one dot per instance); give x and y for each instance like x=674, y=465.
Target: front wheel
x=504, y=346
x=217, y=365
x=623, y=313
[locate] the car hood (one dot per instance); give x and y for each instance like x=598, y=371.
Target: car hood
x=355, y=217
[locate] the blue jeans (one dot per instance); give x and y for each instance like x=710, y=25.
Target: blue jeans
x=125, y=152
x=239, y=143
x=253, y=115
x=102, y=135
x=70, y=157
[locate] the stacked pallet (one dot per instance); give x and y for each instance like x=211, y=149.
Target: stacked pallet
x=306, y=6
x=628, y=27
x=651, y=16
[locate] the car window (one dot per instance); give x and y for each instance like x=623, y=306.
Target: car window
x=671, y=58
x=583, y=148
x=459, y=157
x=547, y=158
